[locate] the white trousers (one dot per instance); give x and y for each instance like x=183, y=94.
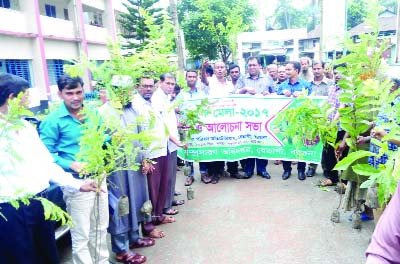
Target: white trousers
x=89, y=230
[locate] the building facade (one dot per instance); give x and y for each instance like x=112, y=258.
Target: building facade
x=38, y=37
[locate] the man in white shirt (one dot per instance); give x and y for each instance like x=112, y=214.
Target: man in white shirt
x=162, y=103
x=26, y=167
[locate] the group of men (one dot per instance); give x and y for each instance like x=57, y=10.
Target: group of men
x=155, y=180
x=150, y=190
x=288, y=80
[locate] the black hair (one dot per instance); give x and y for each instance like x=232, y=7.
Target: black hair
x=210, y=70
x=319, y=62
x=190, y=70
x=254, y=58
x=67, y=82
x=11, y=84
x=233, y=66
x=344, y=65
x=177, y=89
x=296, y=65
x=166, y=75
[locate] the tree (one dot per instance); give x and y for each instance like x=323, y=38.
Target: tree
x=211, y=26
x=286, y=16
x=356, y=13
x=178, y=39
x=134, y=24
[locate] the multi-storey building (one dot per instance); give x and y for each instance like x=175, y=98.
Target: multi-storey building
x=38, y=37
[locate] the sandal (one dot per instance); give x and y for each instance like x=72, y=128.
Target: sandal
x=205, y=178
x=143, y=242
x=156, y=233
x=130, y=258
x=170, y=211
x=167, y=220
x=178, y=202
x=326, y=182
x=189, y=181
x=215, y=180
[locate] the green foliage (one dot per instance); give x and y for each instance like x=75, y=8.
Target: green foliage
x=211, y=26
x=303, y=122
x=134, y=22
x=286, y=16
x=356, y=12
x=106, y=146
x=119, y=74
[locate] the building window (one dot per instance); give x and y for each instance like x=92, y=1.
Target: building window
x=50, y=10
x=55, y=69
x=20, y=68
x=5, y=3
x=66, y=14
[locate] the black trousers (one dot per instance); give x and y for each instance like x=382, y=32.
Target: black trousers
x=329, y=158
x=26, y=237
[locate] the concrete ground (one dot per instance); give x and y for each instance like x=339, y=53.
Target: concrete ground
x=258, y=221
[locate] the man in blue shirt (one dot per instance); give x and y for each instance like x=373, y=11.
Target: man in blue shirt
x=61, y=133
x=293, y=86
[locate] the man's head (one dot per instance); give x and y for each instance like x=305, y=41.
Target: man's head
x=167, y=82
x=209, y=71
x=146, y=87
x=11, y=86
x=292, y=69
x=234, y=72
x=220, y=69
x=175, y=92
x=273, y=71
x=70, y=90
x=282, y=74
x=253, y=66
x=305, y=63
x=328, y=71
x=318, y=69
x=191, y=78
x=395, y=84
x=336, y=72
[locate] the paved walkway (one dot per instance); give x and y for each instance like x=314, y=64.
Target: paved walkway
x=259, y=221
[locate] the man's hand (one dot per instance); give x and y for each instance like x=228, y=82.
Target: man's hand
x=76, y=166
x=266, y=93
x=89, y=186
x=287, y=93
x=378, y=134
x=205, y=63
x=250, y=90
x=147, y=167
x=340, y=149
x=296, y=93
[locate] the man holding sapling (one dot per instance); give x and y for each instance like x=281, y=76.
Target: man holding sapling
x=61, y=132
x=157, y=152
x=293, y=86
x=26, y=167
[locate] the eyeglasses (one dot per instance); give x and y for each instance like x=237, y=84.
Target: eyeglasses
x=252, y=65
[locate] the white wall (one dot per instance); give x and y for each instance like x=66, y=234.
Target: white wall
x=63, y=50
x=15, y=48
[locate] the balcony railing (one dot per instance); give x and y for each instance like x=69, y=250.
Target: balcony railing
x=56, y=27
x=15, y=21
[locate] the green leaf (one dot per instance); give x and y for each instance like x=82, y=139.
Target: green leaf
x=352, y=157
x=365, y=169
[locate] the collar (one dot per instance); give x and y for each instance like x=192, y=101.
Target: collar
x=324, y=81
x=63, y=111
x=260, y=75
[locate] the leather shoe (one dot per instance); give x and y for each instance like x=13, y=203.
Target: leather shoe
x=264, y=174
x=286, y=175
x=310, y=172
x=239, y=175
x=249, y=175
x=301, y=176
